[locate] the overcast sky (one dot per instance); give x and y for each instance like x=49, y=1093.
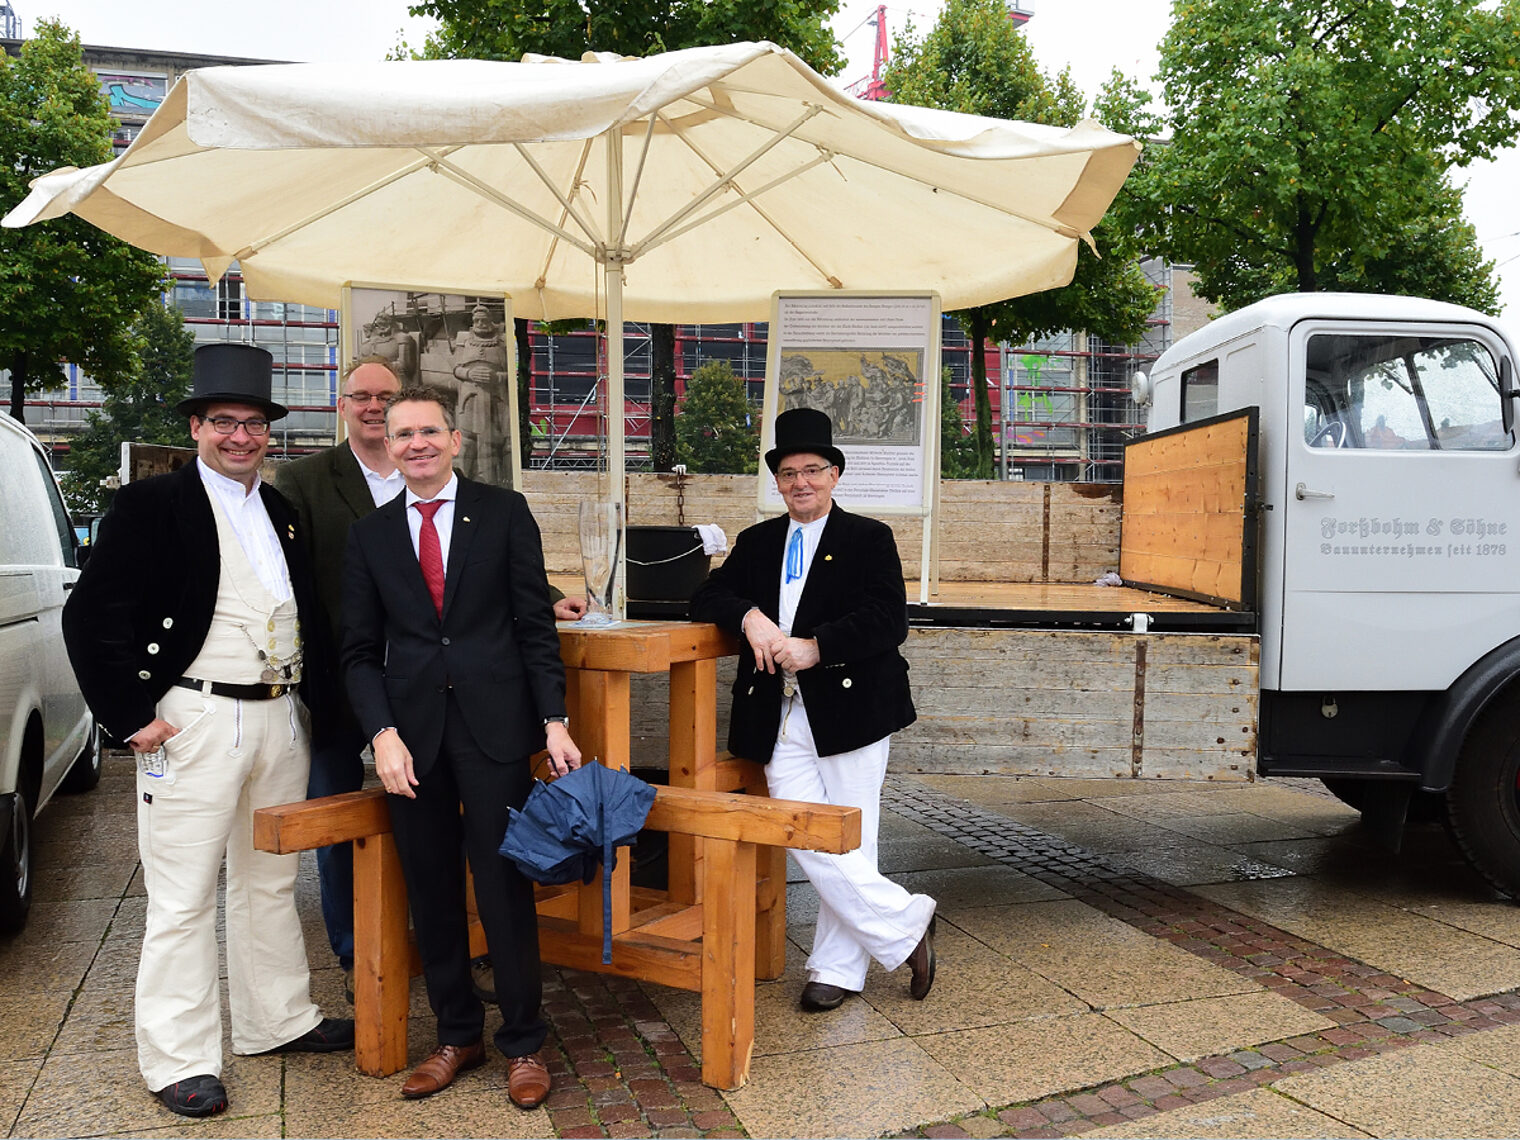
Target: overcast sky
x=1092, y=36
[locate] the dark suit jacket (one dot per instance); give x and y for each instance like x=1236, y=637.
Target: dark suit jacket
x=854, y=604
x=329, y=493
x=496, y=644
x=142, y=606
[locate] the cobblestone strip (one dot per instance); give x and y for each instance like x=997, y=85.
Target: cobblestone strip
x=1374, y=1012
x=619, y=1070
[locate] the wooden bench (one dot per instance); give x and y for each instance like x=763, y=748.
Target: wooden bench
x=710, y=946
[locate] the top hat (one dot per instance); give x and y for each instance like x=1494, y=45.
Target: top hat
x=232, y=374
x=804, y=430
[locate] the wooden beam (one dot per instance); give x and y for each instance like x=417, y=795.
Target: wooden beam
x=382, y=957
x=651, y=958
x=728, y=964
x=754, y=819
x=306, y=824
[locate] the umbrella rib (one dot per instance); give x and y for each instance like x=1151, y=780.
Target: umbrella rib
x=580, y=169
x=470, y=182
x=724, y=179
x=749, y=198
x=568, y=205
x=638, y=175
x=254, y=247
x=744, y=198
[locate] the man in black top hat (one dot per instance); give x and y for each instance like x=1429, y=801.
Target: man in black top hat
x=187, y=631
x=818, y=597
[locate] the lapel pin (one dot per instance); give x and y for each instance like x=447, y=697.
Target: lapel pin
x=466, y=518
x=291, y=530
x=828, y=558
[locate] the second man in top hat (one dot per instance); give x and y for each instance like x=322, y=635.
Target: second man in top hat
x=818, y=600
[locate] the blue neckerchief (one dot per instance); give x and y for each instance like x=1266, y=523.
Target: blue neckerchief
x=794, y=556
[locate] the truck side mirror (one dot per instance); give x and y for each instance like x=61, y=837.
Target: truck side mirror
x=1141, y=389
x=1507, y=394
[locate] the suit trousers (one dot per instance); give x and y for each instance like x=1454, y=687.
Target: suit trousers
x=338, y=767
x=229, y=758
x=430, y=835
x=861, y=913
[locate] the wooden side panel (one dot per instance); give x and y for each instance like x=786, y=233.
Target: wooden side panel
x=1185, y=502
x=1034, y=702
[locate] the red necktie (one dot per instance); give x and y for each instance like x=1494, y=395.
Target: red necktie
x=430, y=552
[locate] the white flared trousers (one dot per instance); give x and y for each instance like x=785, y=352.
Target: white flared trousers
x=230, y=757
x=861, y=913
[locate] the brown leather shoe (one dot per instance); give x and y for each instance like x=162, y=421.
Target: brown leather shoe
x=439, y=1070
x=527, y=1080
x=922, y=963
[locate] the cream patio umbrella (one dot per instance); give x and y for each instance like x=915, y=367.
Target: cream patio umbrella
x=688, y=186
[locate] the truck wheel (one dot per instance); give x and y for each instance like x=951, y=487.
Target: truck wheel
x=1483, y=803
x=85, y=774
x=16, y=862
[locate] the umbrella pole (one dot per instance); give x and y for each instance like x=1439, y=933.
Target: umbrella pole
x=616, y=411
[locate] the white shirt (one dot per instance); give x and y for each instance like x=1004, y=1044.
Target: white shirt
x=791, y=592
x=443, y=521
x=382, y=488
x=249, y=520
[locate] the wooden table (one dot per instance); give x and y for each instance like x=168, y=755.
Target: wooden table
x=720, y=925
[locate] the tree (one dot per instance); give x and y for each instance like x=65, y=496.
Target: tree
x=715, y=432
x=957, y=450
x=507, y=29
x=976, y=61
x=1311, y=144
x=138, y=408
x=68, y=291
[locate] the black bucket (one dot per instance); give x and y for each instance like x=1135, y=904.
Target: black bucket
x=665, y=563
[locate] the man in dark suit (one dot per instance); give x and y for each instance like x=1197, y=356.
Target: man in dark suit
x=452, y=663
x=330, y=491
x=185, y=631
x=818, y=597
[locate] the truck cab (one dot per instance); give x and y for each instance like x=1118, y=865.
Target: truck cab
x=1388, y=532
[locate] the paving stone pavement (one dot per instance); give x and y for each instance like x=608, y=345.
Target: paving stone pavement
x=1189, y=979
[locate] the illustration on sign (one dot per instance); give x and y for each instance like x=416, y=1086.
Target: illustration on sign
x=870, y=395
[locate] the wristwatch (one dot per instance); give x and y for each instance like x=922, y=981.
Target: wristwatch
x=564, y=720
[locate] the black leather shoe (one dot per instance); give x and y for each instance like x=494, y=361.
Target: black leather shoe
x=330, y=1035
x=922, y=963
x=820, y=996
x=194, y=1096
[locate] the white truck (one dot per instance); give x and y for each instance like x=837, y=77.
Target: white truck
x=1386, y=519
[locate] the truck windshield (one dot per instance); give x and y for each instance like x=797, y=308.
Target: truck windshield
x=1392, y=393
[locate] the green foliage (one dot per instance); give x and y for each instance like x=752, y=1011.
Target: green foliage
x=68, y=291
x=138, y=407
x=975, y=60
x=506, y=29
x=957, y=449
x=716, y=434
x=1311, y=144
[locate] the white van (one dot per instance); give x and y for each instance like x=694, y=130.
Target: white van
x=48, y=740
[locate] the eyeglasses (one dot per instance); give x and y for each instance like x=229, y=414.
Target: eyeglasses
x=369, y=397
x=227, y=425
x=791, y=474
x=426, y=434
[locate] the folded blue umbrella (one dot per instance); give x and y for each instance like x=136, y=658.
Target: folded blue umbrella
x=566, y=829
